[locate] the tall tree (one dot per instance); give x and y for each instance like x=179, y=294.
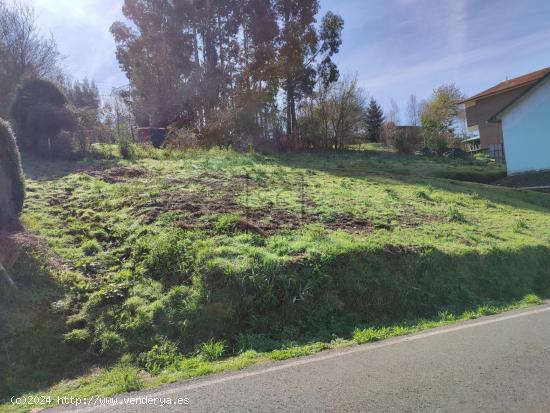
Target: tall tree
x=440, y=115
x=84, y=94
x=301, y=48
x=374, y=120
x=204, y=61
x=24, y=51
x=156, y=55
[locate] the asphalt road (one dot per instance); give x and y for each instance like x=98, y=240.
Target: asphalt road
x=494, y=364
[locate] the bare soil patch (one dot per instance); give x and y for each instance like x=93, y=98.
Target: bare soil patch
x=219, y=196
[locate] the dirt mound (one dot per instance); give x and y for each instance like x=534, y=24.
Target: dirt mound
x=12, y=244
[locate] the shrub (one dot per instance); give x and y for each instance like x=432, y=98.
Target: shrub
x=12, y=187
x=126, y=148
x=180, y=139
x=212, y=350
x=161, y=356
x=168, y=256
x=77, y=336
x=404, y=142
x=257, y=342
x=40, y=114
x=122, y=379
x=521, y=224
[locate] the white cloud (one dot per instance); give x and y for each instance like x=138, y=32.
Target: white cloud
x=81, y=29
x=468, y=60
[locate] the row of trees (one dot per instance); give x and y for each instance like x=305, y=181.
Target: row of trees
x=241, y=72
x=228, y=68
x=340, y=114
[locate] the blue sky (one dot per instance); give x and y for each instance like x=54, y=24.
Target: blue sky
x=394, y=47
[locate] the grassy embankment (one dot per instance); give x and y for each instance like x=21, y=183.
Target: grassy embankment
x=182, y=264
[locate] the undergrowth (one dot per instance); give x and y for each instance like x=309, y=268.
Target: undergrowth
x=179, y=264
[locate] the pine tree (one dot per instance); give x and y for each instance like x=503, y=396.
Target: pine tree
x=374, y=121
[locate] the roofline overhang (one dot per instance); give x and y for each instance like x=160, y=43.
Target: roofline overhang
x=481, y=96
x=496, y=118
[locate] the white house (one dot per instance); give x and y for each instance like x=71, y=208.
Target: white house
x=526, y=127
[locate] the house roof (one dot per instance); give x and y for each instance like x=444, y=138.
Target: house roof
x=496, y=116
x=525, y=80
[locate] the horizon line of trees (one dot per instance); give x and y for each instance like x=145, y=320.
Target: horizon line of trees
x=228, y=70
x=246, y=73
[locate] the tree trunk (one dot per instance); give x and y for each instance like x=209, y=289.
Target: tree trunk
x=288, y=112
x=295, y=131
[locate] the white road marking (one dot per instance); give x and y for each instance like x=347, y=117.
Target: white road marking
x=332, y=355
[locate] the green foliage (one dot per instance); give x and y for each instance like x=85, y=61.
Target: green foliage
x=226, y=222
x=167, y=256
x=12, y=184
x=395, y=246
x=77, y=336
x=212, y=350
x=374, y=120
x=122, y=379
x=455, y=215
x=161, y=357
x=532, y=299
x=439, y=117
x=91, y=247
x=521, y=224
x=40, y=114
x=126, y=148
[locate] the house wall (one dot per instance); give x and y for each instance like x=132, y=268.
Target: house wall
x=484, y=108
x=526, y=127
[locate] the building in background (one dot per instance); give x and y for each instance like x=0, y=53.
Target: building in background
x=485, y=135
x=525, y=123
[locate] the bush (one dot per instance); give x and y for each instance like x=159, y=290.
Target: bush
x=122, y=379
x=161, y=356
x=12, y=187
x=181, y=139
x=212, y=350
x=126, y=148
x=168, y=257
x=40, y=115
x=404, y=143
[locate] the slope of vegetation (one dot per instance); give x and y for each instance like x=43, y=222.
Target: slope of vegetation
x=528, y=180
x=175, y=260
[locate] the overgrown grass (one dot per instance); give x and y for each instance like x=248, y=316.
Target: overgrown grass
x=125, y=377
x=175, y=260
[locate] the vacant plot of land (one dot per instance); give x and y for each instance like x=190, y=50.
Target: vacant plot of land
x=258, y=253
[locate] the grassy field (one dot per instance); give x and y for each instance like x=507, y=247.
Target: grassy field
x=181, y=264
x=528, y=180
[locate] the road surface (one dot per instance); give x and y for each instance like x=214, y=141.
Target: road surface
x=494, y=364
